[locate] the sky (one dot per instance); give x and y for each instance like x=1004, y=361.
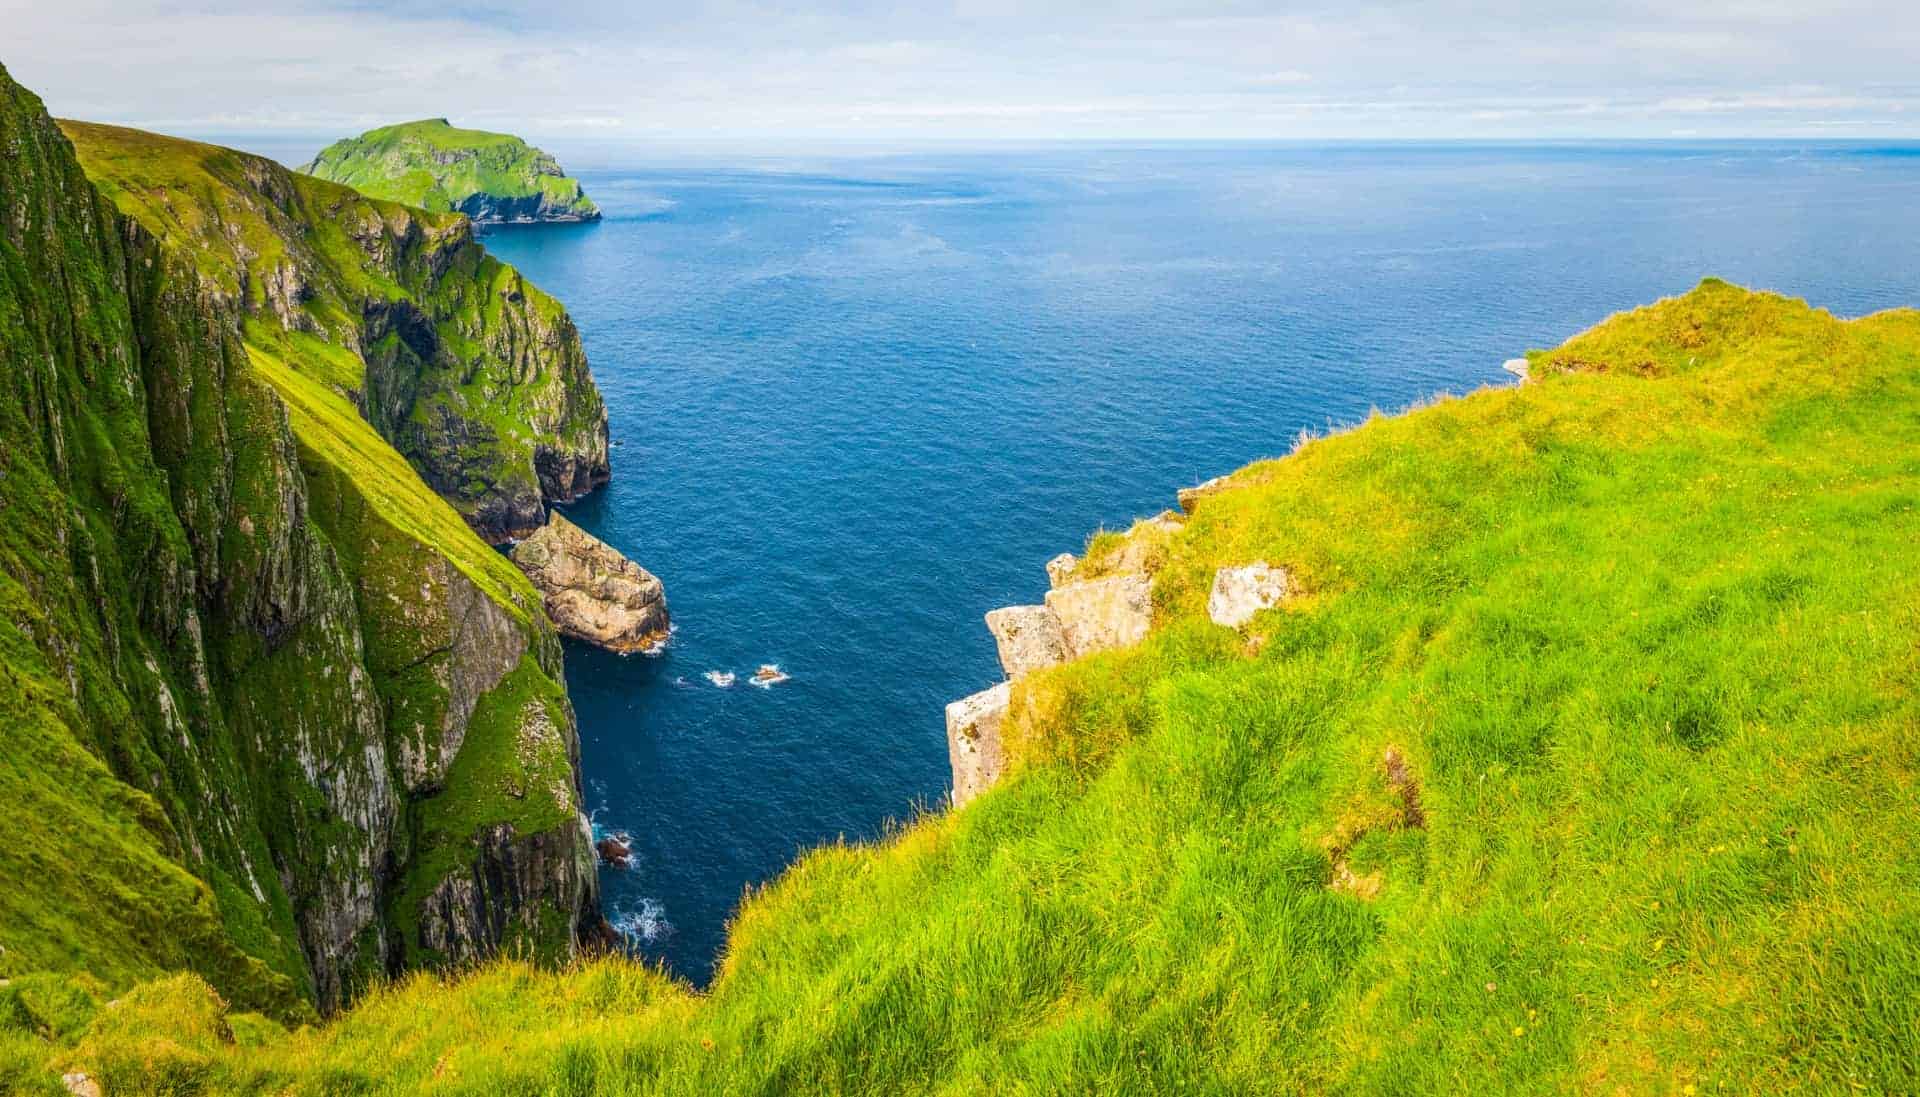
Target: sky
x=982, y=70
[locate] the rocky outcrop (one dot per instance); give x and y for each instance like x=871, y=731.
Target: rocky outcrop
x=975, y=752
x=1060, y=568
x=1029, y=639
x=592, y=592
x=1079, y=618
x=1189, y=498
x=1519, y=367
x=1240, y=593
x=1103, y=614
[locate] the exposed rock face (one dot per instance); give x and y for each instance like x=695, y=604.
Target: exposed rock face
x=497, y=900
x=1060, y=568
x=1240, y=593
x=1103, y=614
x=974, y=750
x=1079, y=618
x=592, y=592
x=1519, y=367
x=1189, y=498
x=241, y=660
x=1029, y=638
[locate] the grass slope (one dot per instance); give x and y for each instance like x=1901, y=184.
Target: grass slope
x=1642, y=637
x=435, y=166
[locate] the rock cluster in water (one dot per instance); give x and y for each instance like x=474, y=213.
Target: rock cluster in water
x=591, y=591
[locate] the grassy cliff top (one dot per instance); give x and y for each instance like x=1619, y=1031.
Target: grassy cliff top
x=436, y=166
x=1639, y=641
x=440, y=133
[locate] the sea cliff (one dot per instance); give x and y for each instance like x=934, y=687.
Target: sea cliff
x=279, y=716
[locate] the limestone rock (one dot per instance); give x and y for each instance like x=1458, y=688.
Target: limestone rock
x=1103, y=614
x=1060, y=568
x=1144, y=549
x=592, y=592
x=79, y=1084
x=974, y=749
x=1239, y=593
x=1519, y=368
x=1190, y=497
x=1029, y=638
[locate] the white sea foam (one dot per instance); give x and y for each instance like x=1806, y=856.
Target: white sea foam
x=722, y=678
x=643, y=926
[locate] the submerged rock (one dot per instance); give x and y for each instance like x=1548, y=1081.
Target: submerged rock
x=591, y=591
x=615, y=850
x=1029, y=639
x=1239, y=593
x=1103, y=614
x=974, y=749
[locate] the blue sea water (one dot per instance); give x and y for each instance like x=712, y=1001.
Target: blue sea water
x=858, y=403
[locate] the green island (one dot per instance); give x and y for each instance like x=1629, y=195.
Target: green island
x=1582, y=759
x=491, y=177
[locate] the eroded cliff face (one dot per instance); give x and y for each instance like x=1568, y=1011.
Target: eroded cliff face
x=250, y=659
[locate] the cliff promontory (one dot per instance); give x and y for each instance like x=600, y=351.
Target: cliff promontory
x=592, y=592
x=490, y=177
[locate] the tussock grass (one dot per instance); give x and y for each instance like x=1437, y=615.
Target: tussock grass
x=1644, y=641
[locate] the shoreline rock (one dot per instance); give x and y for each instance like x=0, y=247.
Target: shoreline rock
x=593, y=593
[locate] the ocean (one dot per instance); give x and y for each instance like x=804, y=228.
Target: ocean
x=859, y=401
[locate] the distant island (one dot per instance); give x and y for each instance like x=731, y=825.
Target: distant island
x=493, y=178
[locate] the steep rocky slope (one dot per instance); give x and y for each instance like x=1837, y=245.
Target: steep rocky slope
x=490, y=177
x=275, y=713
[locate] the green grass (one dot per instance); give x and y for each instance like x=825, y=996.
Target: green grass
x=1645, y=640
x=433, y=165
x=332, y=432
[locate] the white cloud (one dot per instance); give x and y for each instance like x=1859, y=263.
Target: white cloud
x=979, y=69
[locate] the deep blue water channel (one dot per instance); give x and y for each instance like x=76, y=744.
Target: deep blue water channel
x=858, y=402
